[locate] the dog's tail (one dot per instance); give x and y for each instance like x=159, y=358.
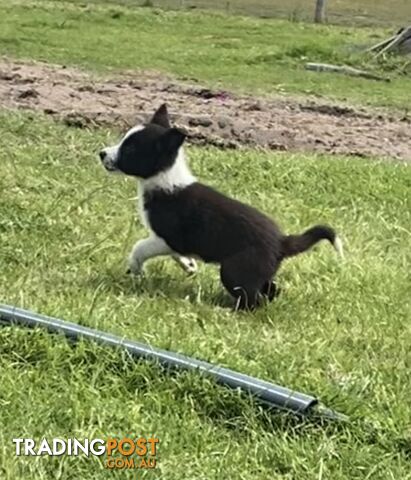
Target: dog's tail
x=295, y=244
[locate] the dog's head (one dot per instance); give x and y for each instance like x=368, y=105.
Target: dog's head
x=146, y=149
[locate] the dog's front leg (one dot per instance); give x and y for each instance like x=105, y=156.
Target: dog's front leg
x=145, y=249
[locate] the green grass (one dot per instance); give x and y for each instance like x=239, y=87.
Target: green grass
x=254, y=55
x=340, y=330
x=348, y=12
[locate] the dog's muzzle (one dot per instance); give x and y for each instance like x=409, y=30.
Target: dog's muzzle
x=108, y=159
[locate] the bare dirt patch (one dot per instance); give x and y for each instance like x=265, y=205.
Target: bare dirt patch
x=211, y=117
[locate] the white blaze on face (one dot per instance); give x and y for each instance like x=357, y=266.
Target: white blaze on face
x=109, y=155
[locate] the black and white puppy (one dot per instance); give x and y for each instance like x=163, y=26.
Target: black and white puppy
x=188, y=219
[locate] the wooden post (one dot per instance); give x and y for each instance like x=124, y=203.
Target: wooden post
x=319, y=11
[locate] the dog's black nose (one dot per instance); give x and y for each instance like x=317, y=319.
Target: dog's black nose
x=102, y=155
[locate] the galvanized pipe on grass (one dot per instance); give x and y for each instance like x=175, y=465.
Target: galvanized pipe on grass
x=266, y=392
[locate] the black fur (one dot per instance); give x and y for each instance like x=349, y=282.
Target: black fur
x=199, y=221
x=157, y=144
x=295, y=244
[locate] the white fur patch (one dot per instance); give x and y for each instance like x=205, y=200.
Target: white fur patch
x=338, y=245
x=154, y=246
x=143, y=250
x=140, y=202
x=189, y=265
x=177, y=176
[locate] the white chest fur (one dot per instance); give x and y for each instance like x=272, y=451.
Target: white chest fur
x=141, y=210
x=176, y=177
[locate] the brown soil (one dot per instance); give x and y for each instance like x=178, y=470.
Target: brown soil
x=211, y=117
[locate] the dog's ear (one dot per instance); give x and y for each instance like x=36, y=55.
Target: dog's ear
x=172, y=140
x=161, y=117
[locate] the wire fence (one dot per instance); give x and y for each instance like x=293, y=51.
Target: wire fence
x=346, y=12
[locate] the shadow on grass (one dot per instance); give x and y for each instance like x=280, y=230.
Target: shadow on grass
x=158, y=283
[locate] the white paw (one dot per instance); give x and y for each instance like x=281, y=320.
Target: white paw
x=135, y=266
x=188, y=264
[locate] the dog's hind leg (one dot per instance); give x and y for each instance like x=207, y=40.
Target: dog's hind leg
x=246, y=275
x=270, y=290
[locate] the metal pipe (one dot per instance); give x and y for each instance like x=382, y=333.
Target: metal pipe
x=266, y=392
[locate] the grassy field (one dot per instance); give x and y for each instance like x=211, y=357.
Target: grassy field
x=233, y=52
x=339, y=330
x=349, y=12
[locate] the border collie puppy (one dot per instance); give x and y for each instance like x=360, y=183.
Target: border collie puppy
x=188, y=219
